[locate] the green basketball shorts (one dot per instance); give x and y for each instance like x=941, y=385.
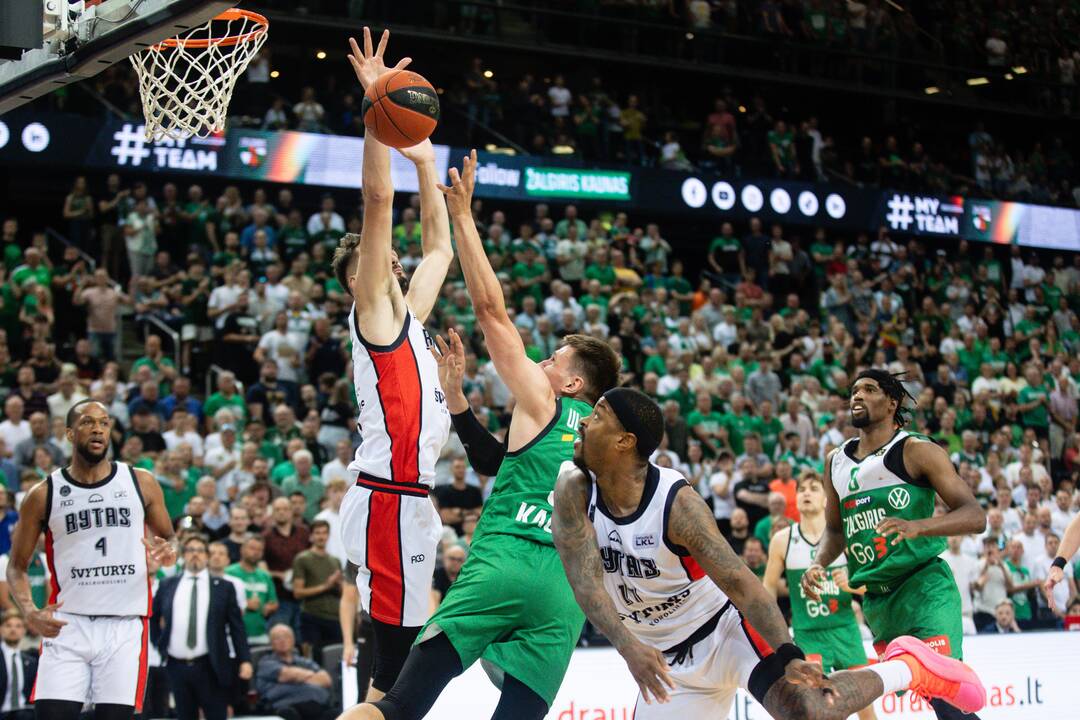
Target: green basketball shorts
x=836, y=648
x=513, y=607
x=926, y=605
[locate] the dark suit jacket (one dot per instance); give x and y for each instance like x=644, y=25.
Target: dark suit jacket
x=29, y=674
x=223, y=616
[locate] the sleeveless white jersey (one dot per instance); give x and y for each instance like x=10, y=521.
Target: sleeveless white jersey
x=403, y=420
x=661, y=593
x=801, y=553
x=93, y=544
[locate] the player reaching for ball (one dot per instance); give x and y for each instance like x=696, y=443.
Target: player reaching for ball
x=389, y=526
x=653, y=573
x=881, y=489
x=511, y=605
x=825, y=629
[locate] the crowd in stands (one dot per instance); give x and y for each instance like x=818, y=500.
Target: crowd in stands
x=748, y=340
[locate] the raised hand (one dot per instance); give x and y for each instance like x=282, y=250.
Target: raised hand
x=459, y=194
x=451, y=360
x=368, y=65
x=420, y=153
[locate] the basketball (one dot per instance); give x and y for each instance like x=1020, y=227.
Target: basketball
x=401, y=109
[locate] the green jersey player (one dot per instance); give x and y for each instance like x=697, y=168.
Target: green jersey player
x=511, y=606
x=825, y=629
x=881, y=489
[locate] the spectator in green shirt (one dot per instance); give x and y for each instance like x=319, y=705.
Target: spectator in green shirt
x=706, y=425
x=226, y=396
x=768, y=427
x=1022, y=583
x=775, y=521
x=530, y=274
x=33, y=268
x=177, y=486
x=305, y=482
x=600, y=269
x=262, y=601
x=1033, y=402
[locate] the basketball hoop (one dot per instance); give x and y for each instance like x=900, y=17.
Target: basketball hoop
x=186, y=82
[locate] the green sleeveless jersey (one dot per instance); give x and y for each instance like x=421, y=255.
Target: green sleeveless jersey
x=523, y=497
x=834, y=609
x=870, y=490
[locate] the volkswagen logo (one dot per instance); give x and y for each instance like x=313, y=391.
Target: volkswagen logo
x=899, y=498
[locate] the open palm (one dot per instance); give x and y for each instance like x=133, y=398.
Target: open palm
x=369, y=65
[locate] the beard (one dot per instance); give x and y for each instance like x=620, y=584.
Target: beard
x=861, y=420
x=89, y=456
x=403, y=283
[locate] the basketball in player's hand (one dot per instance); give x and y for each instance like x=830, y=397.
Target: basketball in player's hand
x=400, y=109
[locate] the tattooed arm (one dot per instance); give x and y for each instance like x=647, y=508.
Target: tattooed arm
x=575, y=539
x=691, y=526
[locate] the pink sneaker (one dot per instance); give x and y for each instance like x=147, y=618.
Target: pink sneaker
x=936, y=676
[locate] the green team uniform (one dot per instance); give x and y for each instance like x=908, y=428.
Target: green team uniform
x=828, y=628
x=909, y=589
x=512, y=605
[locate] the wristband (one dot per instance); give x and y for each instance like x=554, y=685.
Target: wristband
x=1059, y=563
x=771, y=668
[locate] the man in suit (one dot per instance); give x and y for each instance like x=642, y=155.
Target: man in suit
x=195, y=617
x=1004, y=620
x=19, y=670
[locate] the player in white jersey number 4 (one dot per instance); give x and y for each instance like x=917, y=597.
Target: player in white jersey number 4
x=652, y=572
x=95, y=514
x=389, y=525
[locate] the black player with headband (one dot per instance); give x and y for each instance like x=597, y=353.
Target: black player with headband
x=652, y=572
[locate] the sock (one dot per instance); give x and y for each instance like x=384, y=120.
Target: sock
x=895, y=675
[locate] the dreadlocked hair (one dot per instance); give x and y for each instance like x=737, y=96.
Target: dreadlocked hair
x=893, y=386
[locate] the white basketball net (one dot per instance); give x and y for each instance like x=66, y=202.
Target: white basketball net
x=186, y=82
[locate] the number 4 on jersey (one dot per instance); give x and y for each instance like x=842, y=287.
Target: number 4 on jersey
x=100, y=545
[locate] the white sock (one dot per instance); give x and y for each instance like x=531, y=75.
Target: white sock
x=895, y=675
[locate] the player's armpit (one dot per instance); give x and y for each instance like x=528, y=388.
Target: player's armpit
x=691, y=526
x=575, y=540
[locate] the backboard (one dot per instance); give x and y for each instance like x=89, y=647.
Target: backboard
x=85, y=37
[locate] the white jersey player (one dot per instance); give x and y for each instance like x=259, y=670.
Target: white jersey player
x=637, y=543
x=390, y=528
x=95, y=515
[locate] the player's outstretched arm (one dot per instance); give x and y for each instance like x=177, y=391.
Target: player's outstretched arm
x=378, y=189
x=777, y=561
x=427, y=280
x=1070, y=543
x=524, y=378
x=575, y=539
x=484, y=451
x=832, y=542
x=926, y=461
